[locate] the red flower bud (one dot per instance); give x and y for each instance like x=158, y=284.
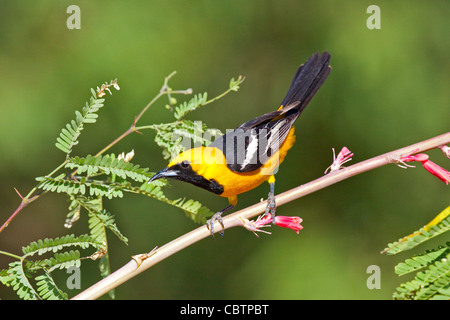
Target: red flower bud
x=289, y=222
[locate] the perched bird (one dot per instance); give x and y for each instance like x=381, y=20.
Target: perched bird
x=250, y=154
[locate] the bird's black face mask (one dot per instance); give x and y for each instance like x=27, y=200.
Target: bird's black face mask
x=183, y=171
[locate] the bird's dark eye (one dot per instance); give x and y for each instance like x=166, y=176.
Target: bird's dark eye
x=185, y=164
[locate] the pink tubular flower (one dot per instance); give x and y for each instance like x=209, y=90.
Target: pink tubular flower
x=437, y=171
x=430, y=166
x=263, y=221
x=343, y=157
x=289, y=222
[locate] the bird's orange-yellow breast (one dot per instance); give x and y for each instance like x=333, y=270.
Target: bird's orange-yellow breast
x=211, y=164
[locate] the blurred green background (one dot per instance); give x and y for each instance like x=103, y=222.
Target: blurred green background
x=388, y=89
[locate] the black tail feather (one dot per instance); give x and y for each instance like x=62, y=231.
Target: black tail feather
x=307, y=80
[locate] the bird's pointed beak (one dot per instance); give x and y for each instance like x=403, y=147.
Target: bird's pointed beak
x=164, y=173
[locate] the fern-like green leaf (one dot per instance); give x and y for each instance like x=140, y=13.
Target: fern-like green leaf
x=433, y=281
x=53, y=245
x=63, y=260
x=20, y=282
x=148, y=189
x=47, y=288
x=61, y=184
x=420, y=261
x=193, y=209
x=82, y=187
x=104, y=190
x=68, y=137
x=196, y=102
x=100, y=221
x=442, y=294
x=6, y=277
x=437, y=277
x=439, y=225
x=108, y=164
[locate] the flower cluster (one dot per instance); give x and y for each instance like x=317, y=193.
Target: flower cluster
x=344, y=156
x=265, y=220
x=101, y=91
x=126, y=157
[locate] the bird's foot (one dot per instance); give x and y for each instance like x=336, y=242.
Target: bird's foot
x=210, y=223
x=271, y=206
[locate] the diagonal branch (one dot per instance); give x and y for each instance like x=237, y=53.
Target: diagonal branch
x=143, y=262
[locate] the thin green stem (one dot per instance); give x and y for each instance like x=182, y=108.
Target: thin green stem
x=165, y=90
x=57, y=168
x=232, y=88
x=155, y=127
x=11, y=255
x=146, y=127
x=217, y=97
x=123, y=135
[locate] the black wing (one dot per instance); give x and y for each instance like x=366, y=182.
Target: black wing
x=251, y=144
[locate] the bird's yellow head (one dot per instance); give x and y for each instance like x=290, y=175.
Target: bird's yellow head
x=189, y=166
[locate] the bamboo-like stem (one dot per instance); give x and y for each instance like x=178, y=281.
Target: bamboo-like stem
x=136, y=265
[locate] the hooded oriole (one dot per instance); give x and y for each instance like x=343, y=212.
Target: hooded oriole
x=249, y=155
